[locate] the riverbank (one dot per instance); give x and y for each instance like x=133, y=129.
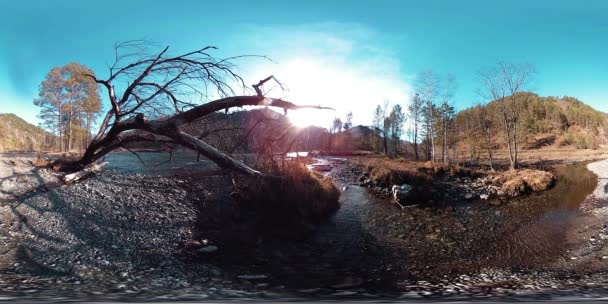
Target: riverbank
x=147, y=236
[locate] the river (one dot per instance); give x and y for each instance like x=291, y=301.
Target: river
x=371, y=244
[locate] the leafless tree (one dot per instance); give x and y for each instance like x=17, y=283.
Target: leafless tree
x=486, y=126
x=503, y=83
x=152, y=96
x=447, y=112
x=427, y=84
x=415, y=112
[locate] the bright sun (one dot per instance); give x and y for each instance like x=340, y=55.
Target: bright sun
x=332, y=83
x=310, y=117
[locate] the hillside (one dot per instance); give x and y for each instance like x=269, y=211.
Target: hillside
x=544, y=122
x=247, y=131
x=17, y=134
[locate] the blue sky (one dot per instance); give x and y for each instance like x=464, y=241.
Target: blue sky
x=351, y=55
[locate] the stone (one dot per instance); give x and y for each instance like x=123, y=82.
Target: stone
x=495, y=202
x=468, y=196
x=344, y=293
x=310, y=290
x=401, y=192
x=208, y=249
x=349, y=282
x=484, y=196
x=253, y=277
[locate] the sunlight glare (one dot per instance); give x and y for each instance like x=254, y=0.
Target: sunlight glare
x=331, y=82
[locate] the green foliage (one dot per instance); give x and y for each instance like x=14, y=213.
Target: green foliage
x=579, y=140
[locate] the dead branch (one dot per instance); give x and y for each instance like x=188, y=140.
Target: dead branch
x=159, y=98
x=87, y=171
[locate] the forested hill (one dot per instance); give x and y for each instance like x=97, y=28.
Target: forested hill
x=543, y=121
x=17, y=134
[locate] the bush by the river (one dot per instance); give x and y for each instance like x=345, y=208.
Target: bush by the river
x=516, y=182
x=299, y=198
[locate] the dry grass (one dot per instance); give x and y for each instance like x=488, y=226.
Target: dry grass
x=517, y=182
x=299, y=197
x=547, y=154
x=40, y=162
x=385, y=171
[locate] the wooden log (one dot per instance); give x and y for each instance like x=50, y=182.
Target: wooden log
x=86, y=172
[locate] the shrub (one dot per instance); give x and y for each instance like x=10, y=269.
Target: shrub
x=517, y=182
x=580, y=141
x=297, y=197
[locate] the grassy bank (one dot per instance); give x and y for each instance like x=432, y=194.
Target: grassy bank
x=427, y=178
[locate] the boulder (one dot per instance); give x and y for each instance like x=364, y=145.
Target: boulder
x=363, y=177
x=401, y=192
x=469, y=196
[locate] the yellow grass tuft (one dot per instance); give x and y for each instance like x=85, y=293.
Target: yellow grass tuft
x=516, y=182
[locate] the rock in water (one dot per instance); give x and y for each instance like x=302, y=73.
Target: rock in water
x=484, y=196
x=208, y=249
x=400, y=193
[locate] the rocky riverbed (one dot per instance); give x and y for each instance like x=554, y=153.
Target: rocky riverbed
x=157, y=237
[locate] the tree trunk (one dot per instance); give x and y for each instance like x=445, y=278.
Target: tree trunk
x=431, y=131
x=445, y=141
x=119, y=133
x=416, y=156
x=488, y=137
x=60, y=138
x=385, y=145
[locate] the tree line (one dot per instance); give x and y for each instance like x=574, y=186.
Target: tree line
x=432, y=117
x=511, y=116
x=427, y=124
x=429, y=128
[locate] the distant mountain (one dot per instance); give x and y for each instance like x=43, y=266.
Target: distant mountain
x=17, y=134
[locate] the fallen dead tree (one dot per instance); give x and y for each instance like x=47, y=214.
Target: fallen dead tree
x=162, y=96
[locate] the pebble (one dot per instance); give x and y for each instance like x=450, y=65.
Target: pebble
x=344, y=293
x=208, y=249
x=310, y=290
x=253, y=277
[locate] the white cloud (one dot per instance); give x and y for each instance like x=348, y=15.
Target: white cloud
x=338, y=65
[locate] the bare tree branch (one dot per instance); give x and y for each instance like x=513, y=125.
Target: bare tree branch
x=158, y=100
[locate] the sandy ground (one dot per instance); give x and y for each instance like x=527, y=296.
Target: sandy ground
x=600, y=168
x=588, y=237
